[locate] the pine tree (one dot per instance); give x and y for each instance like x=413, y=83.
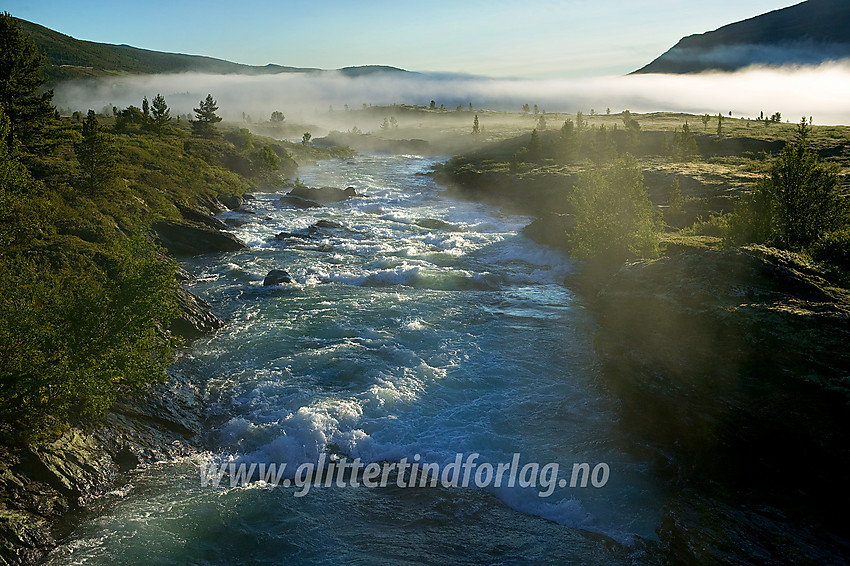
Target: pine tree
x=684, y=144
x=476, y=129
x=534, y=147
x=541, y=122
x=206, y=118
x=146, y=113
x=95, y=156
x=30, y=114
x=161, y=115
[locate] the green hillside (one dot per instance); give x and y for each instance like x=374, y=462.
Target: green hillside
x=70, y=58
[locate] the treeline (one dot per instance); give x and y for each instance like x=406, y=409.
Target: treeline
x=86, y=294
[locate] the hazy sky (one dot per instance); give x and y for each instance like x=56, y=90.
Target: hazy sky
x=532, y=39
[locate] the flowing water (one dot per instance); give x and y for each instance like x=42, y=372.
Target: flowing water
x=400, y=338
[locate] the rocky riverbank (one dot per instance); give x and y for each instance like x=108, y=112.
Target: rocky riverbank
x=44, y=484
x=731, y=368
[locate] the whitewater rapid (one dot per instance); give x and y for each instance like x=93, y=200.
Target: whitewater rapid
x=423, y=326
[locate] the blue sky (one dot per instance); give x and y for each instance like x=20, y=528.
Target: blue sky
x=533, y=39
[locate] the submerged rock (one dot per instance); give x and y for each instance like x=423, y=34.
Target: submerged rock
x=329, y=224
x=192, y=239
x=437, y=224
x=276, y=277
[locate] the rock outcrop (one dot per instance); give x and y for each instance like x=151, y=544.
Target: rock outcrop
x=196, y=318
x=40, y=484
x=195, y=215
x=731, y=367
x=550, y=229
x=233, y=203
x=184, y=239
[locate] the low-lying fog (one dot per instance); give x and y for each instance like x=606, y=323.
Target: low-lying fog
x=818, y=91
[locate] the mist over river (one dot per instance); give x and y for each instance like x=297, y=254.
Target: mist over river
x=400, y=336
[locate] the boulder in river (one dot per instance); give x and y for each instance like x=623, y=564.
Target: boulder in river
x=183, y=239
x=233, y=203
x=276, y=277
x=195, y=215
x=324, y=194
x=280, y=236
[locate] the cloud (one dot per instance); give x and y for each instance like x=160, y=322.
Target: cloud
x=818, y=91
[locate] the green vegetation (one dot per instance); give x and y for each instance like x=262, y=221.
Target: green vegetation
x=798, y=205
x=614, y=219
x=684, y=144
x=29, y=112
x=206, y=118
x=85, y=294
x=160, y=115
x=69, y=58
x=96, y=157
x=710, y=191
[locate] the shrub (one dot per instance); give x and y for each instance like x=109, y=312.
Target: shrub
x=834, y=248
x=795, y=205
x=614, y=219
x=77, y=328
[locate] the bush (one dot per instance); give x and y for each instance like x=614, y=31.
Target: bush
x=834, y=248
x=614, y=219
x=716, y=226
x=77, y=328
x=795, y=205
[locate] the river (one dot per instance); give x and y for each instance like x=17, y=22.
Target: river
x=401, y=339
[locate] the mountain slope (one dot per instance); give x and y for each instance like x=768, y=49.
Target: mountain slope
x=68, y=58
x=808, y=33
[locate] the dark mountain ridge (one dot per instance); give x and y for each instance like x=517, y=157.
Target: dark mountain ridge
x=70, y=58
x=812, y=32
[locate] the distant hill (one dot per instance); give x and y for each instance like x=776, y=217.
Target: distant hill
x=69, y=58
x=812, y=32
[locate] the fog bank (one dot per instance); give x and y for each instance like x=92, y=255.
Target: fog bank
x=819, y=91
